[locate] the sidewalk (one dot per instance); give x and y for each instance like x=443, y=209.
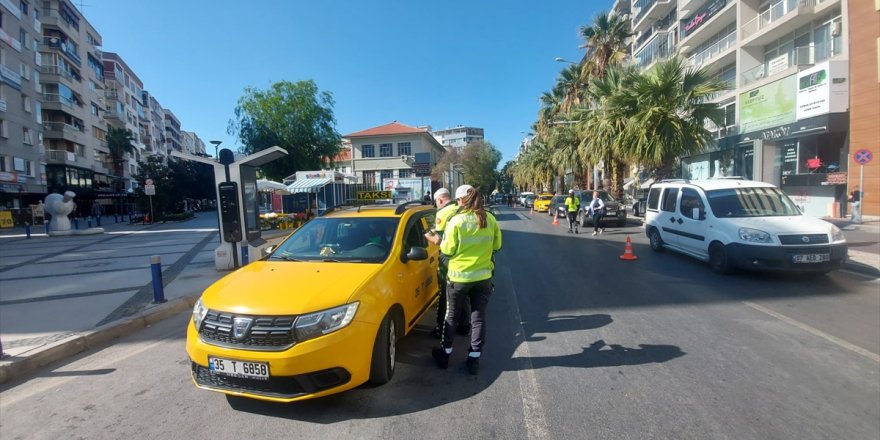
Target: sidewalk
x=62, y=295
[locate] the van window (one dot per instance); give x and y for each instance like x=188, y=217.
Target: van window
x=669, y=196
x=654, y=199
x=690, y=199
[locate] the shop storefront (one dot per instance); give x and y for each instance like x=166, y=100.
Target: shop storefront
x=793, y=134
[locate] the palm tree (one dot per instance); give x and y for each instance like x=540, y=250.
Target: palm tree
x=606, y=43
x=119, y=144
x=668, y=107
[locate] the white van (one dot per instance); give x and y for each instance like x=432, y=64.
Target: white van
x=735, y=223
x=522, y=197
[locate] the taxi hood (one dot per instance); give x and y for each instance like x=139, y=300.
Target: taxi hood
x=287, y=287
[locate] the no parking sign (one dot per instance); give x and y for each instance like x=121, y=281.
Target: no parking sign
x=863, y=156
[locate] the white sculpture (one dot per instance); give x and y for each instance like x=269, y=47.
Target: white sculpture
x=59, y=207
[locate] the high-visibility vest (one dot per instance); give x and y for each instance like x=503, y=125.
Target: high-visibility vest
x=572, y=202
x=443, y=216
x=470, y=248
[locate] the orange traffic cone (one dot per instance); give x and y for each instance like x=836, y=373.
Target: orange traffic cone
x=628, y=251
x=556, y=219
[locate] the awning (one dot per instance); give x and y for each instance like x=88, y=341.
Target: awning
x=308, y=185
x=268, y=185
x=642, y=185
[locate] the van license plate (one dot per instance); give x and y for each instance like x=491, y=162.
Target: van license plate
x=247, y=370
x=811, y=258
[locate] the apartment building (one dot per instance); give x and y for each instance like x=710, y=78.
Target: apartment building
x=387, y=153
x=22, y=173
x=458, y=137
x=787, y=108
x=124, y=107
x=153, y=128
x=191, y=143
x=172, y=132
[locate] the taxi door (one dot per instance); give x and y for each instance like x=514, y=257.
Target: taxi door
x=418, y=283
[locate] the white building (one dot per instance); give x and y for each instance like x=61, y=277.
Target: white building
x=393, y=151
x=458, y=137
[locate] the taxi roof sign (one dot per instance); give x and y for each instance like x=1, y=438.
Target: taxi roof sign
x=373, y=195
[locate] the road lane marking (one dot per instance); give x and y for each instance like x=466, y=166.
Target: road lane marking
x=816, y=332
x=533, y=410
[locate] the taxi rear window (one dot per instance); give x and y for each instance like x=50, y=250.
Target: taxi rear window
x=545, y=197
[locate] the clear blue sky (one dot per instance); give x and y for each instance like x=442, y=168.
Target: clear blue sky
x=439, y=63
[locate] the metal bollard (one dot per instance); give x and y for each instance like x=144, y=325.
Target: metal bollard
x=76, y=223
x=244, y=253
x=158, y=288
x=89, y=221
x=27, y=230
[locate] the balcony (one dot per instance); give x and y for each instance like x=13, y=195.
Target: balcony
x=53, y=73
x=713, y=51
x=63, y=157
x=63, y=46
x=52, y=17
x=779, y=11
x=54, y=101
x=800, y=56
x=648, y=11
x=61, y=130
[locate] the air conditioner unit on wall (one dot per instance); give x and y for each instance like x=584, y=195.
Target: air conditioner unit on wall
x=836, y=28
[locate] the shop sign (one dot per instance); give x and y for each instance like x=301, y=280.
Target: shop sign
x=777, y=65
x=422, y=169
x=8, y=177
x=768, y=106
x=701, y=16
x=822, y=89
x=373, y=195
x=37, y=211
x=835, y=179
x=6, y=219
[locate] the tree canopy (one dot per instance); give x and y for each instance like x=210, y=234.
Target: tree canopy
x=297, y=117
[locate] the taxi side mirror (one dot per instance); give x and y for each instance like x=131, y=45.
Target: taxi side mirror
x=416, y=253
x=269, y=250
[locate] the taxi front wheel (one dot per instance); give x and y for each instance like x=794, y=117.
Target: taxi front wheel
x=385, y=349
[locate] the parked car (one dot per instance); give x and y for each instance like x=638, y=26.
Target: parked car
x=523, y=196
x=323, y=312
x=529, y=201
x=735, y=223
x=615, y=212
x=555, y=203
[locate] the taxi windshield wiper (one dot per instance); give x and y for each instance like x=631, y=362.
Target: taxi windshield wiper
x=285, y=257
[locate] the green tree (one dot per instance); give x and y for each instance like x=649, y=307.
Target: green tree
x=295, y=116
x=119, y=144
x=605, y=41
x=479, y=160
x=440, y=173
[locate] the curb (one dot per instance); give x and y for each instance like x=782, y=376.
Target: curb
x=100, y=336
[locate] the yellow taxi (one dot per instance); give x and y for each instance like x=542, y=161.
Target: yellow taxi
x=542, y=202
x=322, y=312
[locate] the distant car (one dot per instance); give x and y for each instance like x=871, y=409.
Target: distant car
x=555, y=203
x=542, y=202
x=529, y=201
x=615, y=212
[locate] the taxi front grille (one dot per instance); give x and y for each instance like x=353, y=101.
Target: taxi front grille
x=798, y=239
x=266, y=333
x=286, y=387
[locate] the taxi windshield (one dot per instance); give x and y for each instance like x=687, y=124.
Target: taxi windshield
x=333, y=240
x=750, y=202
x=545, y=197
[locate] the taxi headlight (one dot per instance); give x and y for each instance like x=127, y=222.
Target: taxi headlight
x=837, y=235
x=323, y=322
x=199, y=312
x=754, y=235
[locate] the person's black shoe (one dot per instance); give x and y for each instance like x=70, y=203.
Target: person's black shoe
x=473, y=365
x=463, y=329
x=441, y=357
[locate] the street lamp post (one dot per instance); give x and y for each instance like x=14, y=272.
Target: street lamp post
x=563, y=60
x=216, y=148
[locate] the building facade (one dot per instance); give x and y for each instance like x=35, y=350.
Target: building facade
x=153, y=128
x=192, y=144
x=123, y=96
x=22, y=157
x=787, y=107
x=864, y=123
x=458, y=137
x=387, y=153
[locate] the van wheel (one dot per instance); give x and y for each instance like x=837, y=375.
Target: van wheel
x=656, y=241
x=384, y=350
x=718, y=260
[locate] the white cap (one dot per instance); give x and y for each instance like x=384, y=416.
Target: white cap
x=571, y=191
x=441, y=192
x=462, y=191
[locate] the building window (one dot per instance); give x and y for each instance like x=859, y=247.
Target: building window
x=385, y=150
x=386, y=174
x=27, y=138
x=368, y=151
x=25, y=71
x=3, y=166
x=22, y=37
x=26, y=103
x=404, y=172
x=94, y=109
x=24, y=8
x=4, y=129
x=404, y=148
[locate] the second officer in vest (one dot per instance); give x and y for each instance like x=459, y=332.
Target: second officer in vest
x=471, y=238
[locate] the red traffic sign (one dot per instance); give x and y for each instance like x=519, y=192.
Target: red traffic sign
x=148, y=182
x=863, y=156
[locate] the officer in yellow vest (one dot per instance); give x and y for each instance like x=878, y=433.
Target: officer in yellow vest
x=470, y=239
x=446, y=210
x=572, y=203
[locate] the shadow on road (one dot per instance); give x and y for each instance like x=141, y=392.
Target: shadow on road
x=616, y=355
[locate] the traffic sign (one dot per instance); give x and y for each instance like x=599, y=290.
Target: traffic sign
x=863, y=156
x=150, y=190
x=148, y=182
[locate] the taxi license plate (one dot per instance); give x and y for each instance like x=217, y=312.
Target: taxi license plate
x=811, y=258
x=234, y=368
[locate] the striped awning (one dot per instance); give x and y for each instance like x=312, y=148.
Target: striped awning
x=308, y=185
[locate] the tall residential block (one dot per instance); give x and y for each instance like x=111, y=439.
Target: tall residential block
x=458, y=137
x=123, y=98
x=22, y=173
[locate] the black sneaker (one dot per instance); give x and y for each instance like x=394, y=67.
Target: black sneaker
x=441, y=357
x=473, y=364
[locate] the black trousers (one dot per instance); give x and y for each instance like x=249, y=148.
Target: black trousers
x=476, y=294
x=598, y=215
x=572, y=219
x=443, y=267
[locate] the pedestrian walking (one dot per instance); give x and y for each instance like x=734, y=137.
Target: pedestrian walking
x=97, y=210
x=856, y=198
x=446, y=209
x=572, y=204
x=597, y=211
x=471, y=238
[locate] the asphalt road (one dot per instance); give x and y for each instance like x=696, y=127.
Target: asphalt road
x=580, y=345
